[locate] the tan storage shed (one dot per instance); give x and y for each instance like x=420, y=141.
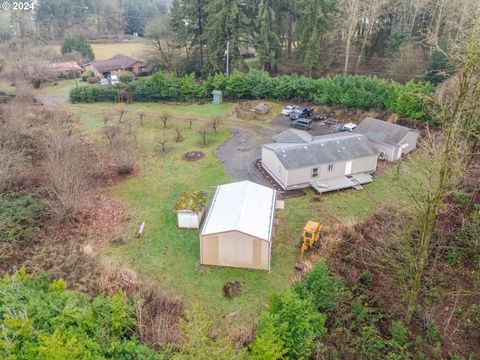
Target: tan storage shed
x=238, y=229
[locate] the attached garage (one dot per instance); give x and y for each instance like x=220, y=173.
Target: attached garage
x=238, y=229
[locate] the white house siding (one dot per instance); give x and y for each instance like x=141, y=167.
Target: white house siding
x=300, y=177
x=409, y=142
x=365, y=165
x=272, y=164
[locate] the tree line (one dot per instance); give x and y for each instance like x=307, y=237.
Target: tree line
x=312, y=37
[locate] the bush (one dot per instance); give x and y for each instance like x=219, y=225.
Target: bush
x=43, y=320
x=126, y=77
x=324, y=290
x=366, y=92
x=19, y=214
x=290, y=327
x=93, y=80
x=86, y=74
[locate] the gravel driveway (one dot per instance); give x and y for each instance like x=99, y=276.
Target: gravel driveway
x=239, y=153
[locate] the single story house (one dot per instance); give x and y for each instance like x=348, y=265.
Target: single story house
x=237, y=231
x=328, y=162
x=116, y=66
x=391, y=140
x=65, y=69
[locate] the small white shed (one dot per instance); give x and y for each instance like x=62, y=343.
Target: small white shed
x=238, y=228
x=190, y=208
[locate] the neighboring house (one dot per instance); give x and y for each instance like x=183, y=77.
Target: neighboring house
x=238, y=228
x=391, y=140
x=116, y=66
x=327, y=162
x=65, y=69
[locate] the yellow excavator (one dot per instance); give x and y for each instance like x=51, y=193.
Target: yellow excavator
x=312, y=233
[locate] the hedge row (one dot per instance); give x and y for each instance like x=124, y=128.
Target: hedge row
x=366, y=92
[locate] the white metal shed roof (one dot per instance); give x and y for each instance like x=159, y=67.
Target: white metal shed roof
x=243, y=206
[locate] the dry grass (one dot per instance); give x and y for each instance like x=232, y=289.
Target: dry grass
x=157, y=313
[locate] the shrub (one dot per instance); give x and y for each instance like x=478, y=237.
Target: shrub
x=42, y=320
x=19, y=214
x=366, y=278
x=86, y=74
x=366, y=92
x=126, y=77
x=93, y=80
x=290, y=327
x=324, y=290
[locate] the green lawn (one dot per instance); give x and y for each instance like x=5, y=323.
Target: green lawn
x=105, y=51
x=170, y=256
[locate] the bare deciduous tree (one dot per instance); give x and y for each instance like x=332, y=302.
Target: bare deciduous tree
x=178, y=133
x=215, y=123
x=67, y=181
x=203, y=131
x=164, y=117
x=123, y=148
x=163, y=140
x=142, y=115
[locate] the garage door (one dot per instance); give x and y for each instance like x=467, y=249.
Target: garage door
x=235, y=249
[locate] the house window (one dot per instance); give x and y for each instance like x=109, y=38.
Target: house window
x=330, y=167
x=314, y=172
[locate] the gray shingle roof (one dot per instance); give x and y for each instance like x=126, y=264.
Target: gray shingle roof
x=382, y=131
x=119, y=61
x=293, y=136
x=323, y=149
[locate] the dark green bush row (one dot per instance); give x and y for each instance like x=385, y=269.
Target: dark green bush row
x=42, y=320
x=366, y=92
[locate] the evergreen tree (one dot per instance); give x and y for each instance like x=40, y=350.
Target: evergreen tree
x=439, y=68
x=315, y=21
x=79, y=44
x=226, y=22
x=268, y=43
x=188, y=19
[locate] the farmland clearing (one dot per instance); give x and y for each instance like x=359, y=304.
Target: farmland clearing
x=170, y=256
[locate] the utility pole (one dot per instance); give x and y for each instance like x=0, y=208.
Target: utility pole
x=227, y=52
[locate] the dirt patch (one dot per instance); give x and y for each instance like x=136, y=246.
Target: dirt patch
x=193, y=156
x=232, y=288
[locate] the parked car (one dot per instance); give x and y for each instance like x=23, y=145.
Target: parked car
x=288, y=109
x=343, y=128
x=349, y=127
x=111, y=80
x=114, y=80
x=300, y=112
x=318, y=117
x=302, y=124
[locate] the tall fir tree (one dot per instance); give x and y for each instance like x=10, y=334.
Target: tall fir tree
x=227, y=21
x=268, y=42
x=316, y=21
x=188, y=20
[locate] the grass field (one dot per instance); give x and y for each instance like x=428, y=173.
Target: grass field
x=170, y=256
x=105, y=51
